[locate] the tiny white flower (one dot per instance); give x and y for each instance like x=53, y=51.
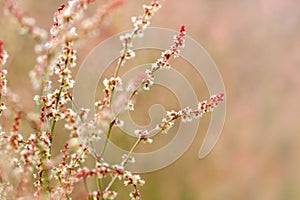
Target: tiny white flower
x=119, y=123
x=130, y=105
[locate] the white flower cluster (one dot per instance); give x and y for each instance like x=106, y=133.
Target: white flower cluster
x=187, y=114
x=3, y=73
x=130, y=105
x=113, y=83
x=109, y=195
x=3, y=81
x=61, y=68
x=2, y=107
x=140, y=23
x=129, y=159
x=132, y=179
x=135, y=195
x=110, y=85
x=168, y=122
x=143, y=135
x=163, y=61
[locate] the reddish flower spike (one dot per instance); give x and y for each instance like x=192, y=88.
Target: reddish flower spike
x=182, y=29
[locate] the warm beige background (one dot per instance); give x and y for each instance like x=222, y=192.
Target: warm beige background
x=256, y=47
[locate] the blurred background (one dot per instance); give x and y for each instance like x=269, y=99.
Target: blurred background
x=256, y=46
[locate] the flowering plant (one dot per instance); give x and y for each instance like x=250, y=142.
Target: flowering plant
x=28, y=168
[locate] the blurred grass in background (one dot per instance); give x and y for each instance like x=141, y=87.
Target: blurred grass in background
x=256, y=46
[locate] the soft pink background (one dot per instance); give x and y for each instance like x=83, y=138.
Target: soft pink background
x=255, y=44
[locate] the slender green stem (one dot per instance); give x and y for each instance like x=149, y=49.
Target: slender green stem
x=111, y=182
x=99, y=184
x=112, y=123
x=133, y=148
x=56, y=107
x=125, y=49
x=121, y=62
x=67, y=196
x=54, y=121
x=122, y=58
x=117, y=73
x=107, y=137
x=111, y=96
